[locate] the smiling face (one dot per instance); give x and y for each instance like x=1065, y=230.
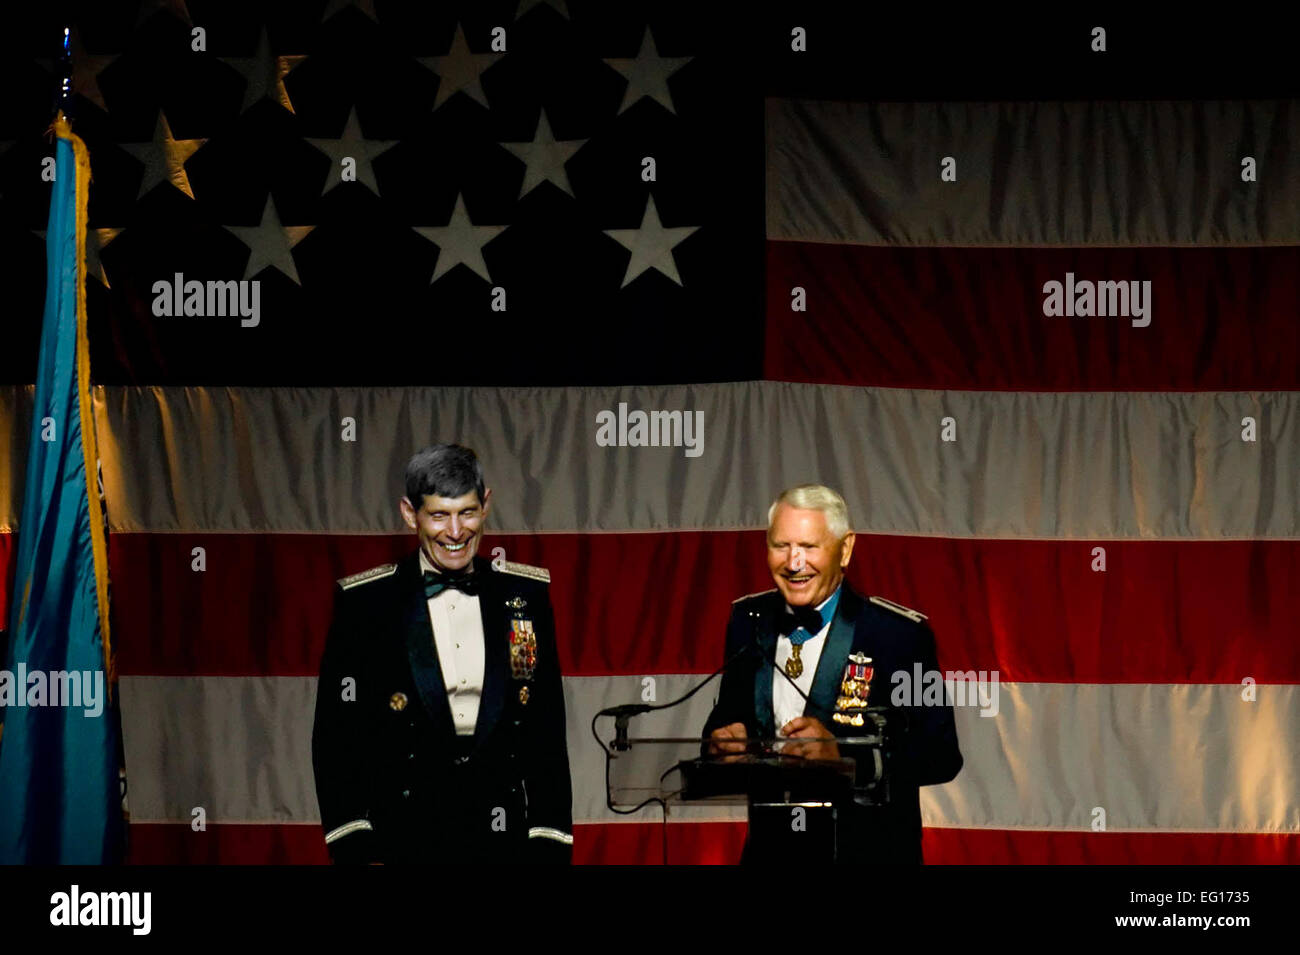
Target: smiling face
x=805, y=559
x=449, y=528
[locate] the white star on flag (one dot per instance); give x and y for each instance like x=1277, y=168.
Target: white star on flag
x=164, y=158
x=264, y=74
x=545, y=157
x=647, y=74
x=270, y=244
x=86, y=68
x=354, y=146
x=459, y=70
x=96, y=241
x=651, y=244
x=460, y=242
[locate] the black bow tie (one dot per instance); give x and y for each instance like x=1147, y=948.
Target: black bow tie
x=809, y=618
x=435, y=584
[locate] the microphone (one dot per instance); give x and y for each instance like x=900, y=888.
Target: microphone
x=625, y=711
x=621, y=715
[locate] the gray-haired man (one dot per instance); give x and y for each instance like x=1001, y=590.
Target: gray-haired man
x=809, y=626
x=439, y=732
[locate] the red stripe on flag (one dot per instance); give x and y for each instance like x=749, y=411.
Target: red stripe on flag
x=277, y=844
x=1162, y=612
x=1055, y=847
x=641, y=843
x=626, y=603
x=8, y=555
x=972, y=318
x=225, y=844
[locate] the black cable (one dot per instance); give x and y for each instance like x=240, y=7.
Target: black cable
x=608, y=802
x=638, y=708
x=663, y=834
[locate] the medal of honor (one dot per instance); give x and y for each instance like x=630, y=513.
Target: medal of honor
x=855, y=688
x=793, y=665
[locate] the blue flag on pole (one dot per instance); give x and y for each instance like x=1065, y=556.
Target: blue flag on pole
x=59, y=788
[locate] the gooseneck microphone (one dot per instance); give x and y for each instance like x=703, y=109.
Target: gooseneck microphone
x=625, y=711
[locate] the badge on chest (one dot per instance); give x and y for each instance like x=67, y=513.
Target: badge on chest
x=855, y=688
x=523, y=647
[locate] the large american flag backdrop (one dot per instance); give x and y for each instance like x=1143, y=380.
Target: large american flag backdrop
x=561, y=208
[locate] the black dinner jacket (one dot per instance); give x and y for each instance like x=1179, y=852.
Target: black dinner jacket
x=926, y=753
x=391, y=757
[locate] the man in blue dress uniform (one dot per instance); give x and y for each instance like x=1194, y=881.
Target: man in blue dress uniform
x=840, y=650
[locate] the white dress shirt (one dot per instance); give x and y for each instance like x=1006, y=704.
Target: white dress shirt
x=458, y=636
x=786, y=701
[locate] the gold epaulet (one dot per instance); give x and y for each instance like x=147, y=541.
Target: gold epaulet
x=761, y=593
x=374, y=573
x=526, y=570
x=913, y=615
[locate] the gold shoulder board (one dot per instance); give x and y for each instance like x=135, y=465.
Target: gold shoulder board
x=526, y=570
x=914, y=615
x=759, y=594
x=374, y=573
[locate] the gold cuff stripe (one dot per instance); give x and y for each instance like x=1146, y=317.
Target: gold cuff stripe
x=356, y=825
x=546, y=832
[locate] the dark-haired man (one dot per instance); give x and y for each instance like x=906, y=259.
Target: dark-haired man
x=439, y=732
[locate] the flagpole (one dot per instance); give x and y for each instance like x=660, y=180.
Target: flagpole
x=62, y=126
x=63, y=102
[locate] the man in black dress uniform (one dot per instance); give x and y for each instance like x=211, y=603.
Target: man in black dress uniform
x=439, y=732
x=809, y=626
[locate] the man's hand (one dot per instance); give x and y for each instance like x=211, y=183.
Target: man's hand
x=736, y=733
x=805, y=727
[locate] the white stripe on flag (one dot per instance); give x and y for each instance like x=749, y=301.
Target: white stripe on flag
x=1157, y=757
x=1090, y=466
